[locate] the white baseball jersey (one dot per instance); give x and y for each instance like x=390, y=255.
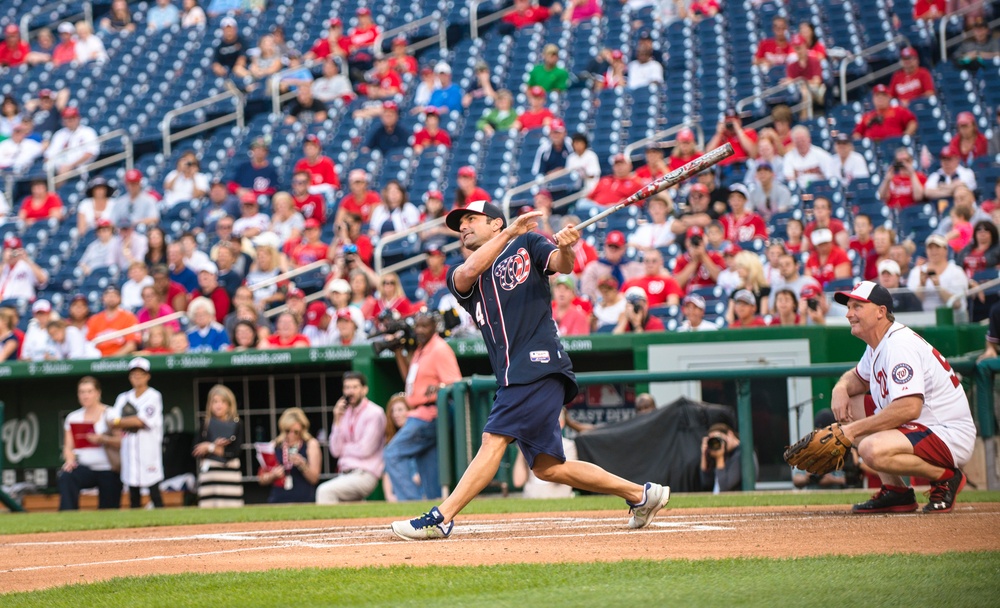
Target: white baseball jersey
x=67, y=146
x=18, y=281
x=904, y=364
x=142, y=450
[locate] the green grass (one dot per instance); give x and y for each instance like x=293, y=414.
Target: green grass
x=26, y=523
x=954, y=579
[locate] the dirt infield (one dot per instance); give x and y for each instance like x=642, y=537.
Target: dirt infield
x=35, y=561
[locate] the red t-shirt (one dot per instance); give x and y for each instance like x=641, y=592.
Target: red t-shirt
x=430, y=283
x=901, y=191
x=530, y=16
x=979, y=147
x=905, y=87
x=15, y=56
x=921, y=7
x=389, y=80
x=322, y=48
x=812, y=69
x=303, y=253
x=365, y=249
x=823, y=272
x=773, y=52
x=700, y=278
x=362, y=208
x=65, y=52
x=776, y=320
x=739, y=154
x=836, y=227
x=424, y=138
x=863, y=249
x=747, y=228
x=676, y=162
x=657, y=289
x=756, y=321
x=401, y=305
x=974, y=262
x=220, y=298
x=703, y=7
x=610, y=189
x=51, y=203
x=296, y=341
x=894, y=121
x=360, y=38
x=653, y=323
x=403, y=65
x=574, y=321
x=534, y=119
x=175, y=289
x=311, y=206
x=646, y=175
x=584, y=253
x=478, y=194
x=323, y=172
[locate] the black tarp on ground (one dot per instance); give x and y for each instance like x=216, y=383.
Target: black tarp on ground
x=663, y=446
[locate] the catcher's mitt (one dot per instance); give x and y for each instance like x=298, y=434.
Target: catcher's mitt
x=128, y=410
x=821, y=451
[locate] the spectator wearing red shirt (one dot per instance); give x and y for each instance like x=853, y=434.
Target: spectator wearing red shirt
x=570, y=319
x=902, y=186
x=862, y=242
x=911, y=81
x=774, y=51
x=701, y=9
x=537, y=115
x=742, y=225
x=968, y=143
x=730, y=130
x=392, y=297
x=929, y=10
x=335, y=43
x=885, y=120
x=13, y=51
x=655, y=166
x=611, y=189
x=40, y=204
x=636, y=318
x=286, y=334
x=467, y=190
x=823, y=218
x=383, y=81
x=361, y=38
x=308, y=204
x=659, y=286
x=65, y=51
x=399, y=61
x=808, y=67
x=883, y=239
x=434, y=278
x=208, y=286
x=828, y=262
x=526, y=13
x=321, y=168
x=697, y=267
x=349, y=235
x=431, y=135
x=309, y=248
x=360, y=200
x=745, y=310
x=685, y=149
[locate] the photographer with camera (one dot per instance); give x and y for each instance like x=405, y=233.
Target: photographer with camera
x=730, y=130
x=20, y=276
x=427, y=367
x=885, y=120
x=697, y=267
x=814, y=305
x=185, y=183
x=720, y=460
x=903, y=185
x=636, y=318
x=349, y=240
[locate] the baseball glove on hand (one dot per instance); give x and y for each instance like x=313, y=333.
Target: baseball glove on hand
x=128, y=410
x=821, y=451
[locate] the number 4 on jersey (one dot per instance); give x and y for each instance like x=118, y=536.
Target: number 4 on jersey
x=480, y=319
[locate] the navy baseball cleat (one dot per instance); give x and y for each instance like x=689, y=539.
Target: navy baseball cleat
x=943, y=493
x=654, y=498
x=887, y=501
x=427, y=526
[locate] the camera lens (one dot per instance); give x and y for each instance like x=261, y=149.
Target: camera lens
x=714, y=443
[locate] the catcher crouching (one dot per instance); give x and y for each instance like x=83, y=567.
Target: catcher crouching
x=916, y=421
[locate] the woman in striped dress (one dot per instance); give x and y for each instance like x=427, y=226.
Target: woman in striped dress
x=220, y=480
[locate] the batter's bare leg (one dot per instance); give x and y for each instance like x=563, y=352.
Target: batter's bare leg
x=585, y=476
x=480, y=473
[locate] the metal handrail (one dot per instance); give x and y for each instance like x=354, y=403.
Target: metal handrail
x=475, y=21
x=846, y=61
x=660, y=136
x=943, y=25
x=126, y=154
x=806, y=104
x=974, y=291
x=435, y=17
x=88, y=16
x=399, y=236
x=414, y=260
x=274, y=83
x=961, y=37
x=526, y=186
x=237, y=115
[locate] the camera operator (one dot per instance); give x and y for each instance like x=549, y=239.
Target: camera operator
x=720, y=460
x=429, y=366
x=813, y=305
x=19, y=274
x=636, y=318
x=349, y=233
x=903, y=185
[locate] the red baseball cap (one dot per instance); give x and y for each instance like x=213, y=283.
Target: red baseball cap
x=694, y=231
x=965, y=118
x=312, y=223
x=71, y=112
x=619, y=158
x=295, y=292
x=437, y=194
x=399, y=41
x=104, y=223
x=698, y=187
x=467, y=171
x=315, y=312
x=248, y=198
x=557, y=125
x=335, y=22
x=615, y=238
x=431, y=111
x=616, y=54
x=908, y=52
x=11, y=29
x=810, y=290
x=537, y=91
x=685, y=134
x=12, y=242
x=798, y=40
x=948, y=152
x=133, y=175
x=880, y=88
x=311, y=139
x=390, y=106
x=732, y=249
x=345, y=313
x=363, y=11
x=45, y=93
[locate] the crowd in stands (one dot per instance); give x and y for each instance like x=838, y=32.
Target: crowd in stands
x=759, y=241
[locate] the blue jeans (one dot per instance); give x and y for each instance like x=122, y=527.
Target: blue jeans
x=416, y=441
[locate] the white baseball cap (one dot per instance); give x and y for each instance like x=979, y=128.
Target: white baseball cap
x=139, y=363
x=890, y=266
x=821, y=235
x=41, y=306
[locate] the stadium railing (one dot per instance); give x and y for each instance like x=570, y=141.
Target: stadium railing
x=112, y=159
x=237, y=114
x=947, y=18
x=441, y=39
x=858, y=82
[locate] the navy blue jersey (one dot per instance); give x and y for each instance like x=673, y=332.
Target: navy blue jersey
x=512, y=305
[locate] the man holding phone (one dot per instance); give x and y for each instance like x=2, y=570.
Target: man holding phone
x=20, y=276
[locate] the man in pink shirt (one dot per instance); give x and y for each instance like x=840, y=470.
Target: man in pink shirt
x=427, y=368
x=356, y=441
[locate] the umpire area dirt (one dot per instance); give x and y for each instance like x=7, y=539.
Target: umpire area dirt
x=36, y=561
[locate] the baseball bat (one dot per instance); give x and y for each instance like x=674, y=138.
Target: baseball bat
x=669, y=180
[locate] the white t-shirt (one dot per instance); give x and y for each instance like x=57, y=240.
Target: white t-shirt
x=903, y=365
x=962, y=174
x=95, y=459
x=644, y=74
x=703, y=326
x=36, y=342
x=91, y=49
x=132, y=293
x=76, y=143
x=854, y=167
x=587, y=166
x=75, y=346
x=609, y=315
x=653, y=235
x=19, y=156
x=815, y=165
x=17, y=281
x=400, y=219
x=183, y=188
x=90, y=217
x=953, y=280
x=284, y=228
x=142, y=450
x=259, y=221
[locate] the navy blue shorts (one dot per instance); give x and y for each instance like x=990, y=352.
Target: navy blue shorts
x=530, y=414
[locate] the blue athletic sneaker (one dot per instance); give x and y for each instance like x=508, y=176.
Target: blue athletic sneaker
x=426, y=527
x=654, y=498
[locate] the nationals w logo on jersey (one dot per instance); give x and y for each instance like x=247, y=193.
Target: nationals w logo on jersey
x=902, y=373
x=514, y=270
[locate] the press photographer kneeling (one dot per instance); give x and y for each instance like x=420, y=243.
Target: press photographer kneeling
x=720, y=460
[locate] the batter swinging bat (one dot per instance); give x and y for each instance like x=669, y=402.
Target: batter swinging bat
x=669, y=180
